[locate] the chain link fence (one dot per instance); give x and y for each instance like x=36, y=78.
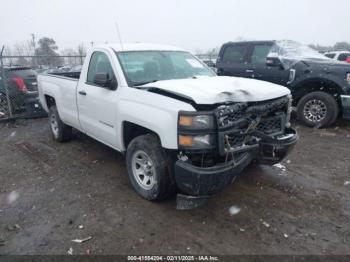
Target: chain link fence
x=19, y=86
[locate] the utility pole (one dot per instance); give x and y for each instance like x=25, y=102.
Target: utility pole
x=34, y=47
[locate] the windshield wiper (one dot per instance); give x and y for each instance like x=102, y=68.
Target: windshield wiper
x=145, y=82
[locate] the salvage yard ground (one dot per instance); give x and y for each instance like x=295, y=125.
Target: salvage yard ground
x=51, y=194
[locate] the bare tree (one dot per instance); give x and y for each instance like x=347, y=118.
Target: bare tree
x=70, y=60
x=81, y=52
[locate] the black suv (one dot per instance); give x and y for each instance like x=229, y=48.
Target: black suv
x=22, y=91
x=320, y=86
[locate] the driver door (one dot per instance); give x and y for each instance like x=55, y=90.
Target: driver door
x=97, y=103
x=258, y=68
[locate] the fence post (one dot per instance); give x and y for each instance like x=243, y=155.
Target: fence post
x=5, y=82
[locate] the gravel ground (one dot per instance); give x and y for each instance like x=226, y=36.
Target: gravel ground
x=52, y=193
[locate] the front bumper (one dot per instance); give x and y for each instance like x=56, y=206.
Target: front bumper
x=199, y=181
x=345, y=101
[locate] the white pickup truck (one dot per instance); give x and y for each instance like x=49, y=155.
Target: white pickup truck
x=183, y=128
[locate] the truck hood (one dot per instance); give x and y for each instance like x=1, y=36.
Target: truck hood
x=221, y=89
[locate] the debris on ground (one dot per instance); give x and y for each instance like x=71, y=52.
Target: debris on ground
x=346, y=183
x=265, y=223
x=13, y=228
x=234, y=210
x=288, y=161
x=280, y=166
x=2, y=242
x=80, y=226
x=324, y=133
x=70, y=251
x=285, y=235
x=82, y=240
x=12, y=197
x=242, y=229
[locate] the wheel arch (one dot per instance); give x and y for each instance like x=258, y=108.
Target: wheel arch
x=131, y=130
x=307, y=86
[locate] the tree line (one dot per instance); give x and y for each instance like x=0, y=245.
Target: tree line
x=46, y=53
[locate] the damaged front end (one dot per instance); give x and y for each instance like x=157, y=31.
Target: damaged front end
x=216, y=146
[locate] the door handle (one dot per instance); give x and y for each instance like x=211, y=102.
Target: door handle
x=249, y=71
x=83, y=93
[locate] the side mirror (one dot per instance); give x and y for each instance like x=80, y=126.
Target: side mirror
x=103, y=80
x=274, y=61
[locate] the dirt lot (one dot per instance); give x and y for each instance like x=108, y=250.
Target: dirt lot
x=52, y=193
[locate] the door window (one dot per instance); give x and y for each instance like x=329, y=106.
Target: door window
x=260, y=53
x=343, y=56
x=234, y=54
x=99, y=63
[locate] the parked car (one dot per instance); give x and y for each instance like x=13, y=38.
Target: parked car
x=320, y=86
x=76, y=68
x=22, y=91
x=181, y=127
x=343, y=56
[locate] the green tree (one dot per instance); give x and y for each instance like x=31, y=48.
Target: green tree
x=47, y=50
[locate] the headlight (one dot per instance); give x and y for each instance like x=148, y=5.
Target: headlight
x=196, y=130
x=196, y=121
x=196, y=141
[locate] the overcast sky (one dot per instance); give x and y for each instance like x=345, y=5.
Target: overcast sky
x=192, y=24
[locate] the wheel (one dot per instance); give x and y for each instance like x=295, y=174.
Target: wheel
x=317, y=109
x=60, y=131
x=148, y=168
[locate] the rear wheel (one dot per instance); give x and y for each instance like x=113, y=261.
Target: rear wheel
x=60, y=131
x=149, y=168
x=317, y=109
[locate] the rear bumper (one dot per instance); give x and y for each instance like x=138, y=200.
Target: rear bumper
x=199, y=181
x=345, y=101
x=33, y=107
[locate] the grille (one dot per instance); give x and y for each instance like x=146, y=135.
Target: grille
x=270, y=125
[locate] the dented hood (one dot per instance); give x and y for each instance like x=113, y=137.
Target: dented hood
x=220, y=89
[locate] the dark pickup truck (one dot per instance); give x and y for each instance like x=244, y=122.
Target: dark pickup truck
x=320, y=86
x=21, y=93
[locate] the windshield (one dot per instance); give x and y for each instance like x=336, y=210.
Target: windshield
x=291, y=52
x=142, y=67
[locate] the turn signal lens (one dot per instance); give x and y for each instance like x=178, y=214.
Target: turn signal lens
x=186, y=121
x=185, y=140
x=348, y=77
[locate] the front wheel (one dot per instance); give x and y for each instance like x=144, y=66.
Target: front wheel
x=317, y=109
x=149, y=168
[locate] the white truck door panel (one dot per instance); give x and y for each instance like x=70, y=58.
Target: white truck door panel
x=97, y=104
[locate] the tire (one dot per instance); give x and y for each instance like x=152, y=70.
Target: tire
x=60, y=131
x=317, y=109
x=147, y=161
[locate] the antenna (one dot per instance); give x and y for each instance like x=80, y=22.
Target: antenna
x=119, y=35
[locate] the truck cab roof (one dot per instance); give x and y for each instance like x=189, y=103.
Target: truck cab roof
x=139, y=47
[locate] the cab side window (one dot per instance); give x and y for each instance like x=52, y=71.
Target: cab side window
x=260, y=53
x=234, y=54
x=343, y=56
x=99, y=63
